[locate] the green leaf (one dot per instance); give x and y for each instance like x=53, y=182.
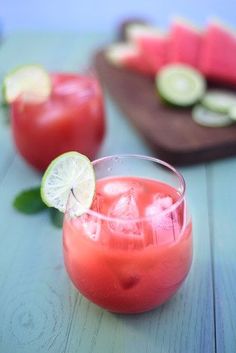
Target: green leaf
x=29, y=201
x=56, y=217
x=4, y=112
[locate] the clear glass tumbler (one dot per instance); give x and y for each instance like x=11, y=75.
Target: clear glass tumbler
x=132, y=250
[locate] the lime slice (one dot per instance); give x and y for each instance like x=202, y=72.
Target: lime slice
x=219, y=101
x=208, y=118
x=232, y=113
x=28, y=79
x=70, y=172
x=180, y=85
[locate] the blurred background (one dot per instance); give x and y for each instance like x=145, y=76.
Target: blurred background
x=103, y=15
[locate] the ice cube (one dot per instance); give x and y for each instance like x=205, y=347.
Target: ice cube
x=91, y=223
x=91, y=226
x=165, y=202
x=125, y=209
x=160, y=203
x=72, y=87
x=128, y=274
x=165, y=226
x=129, y=281
x=115, y=188
x=68, y=87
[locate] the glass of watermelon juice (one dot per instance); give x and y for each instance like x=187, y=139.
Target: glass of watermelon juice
x=71, y=119
x=132, y=250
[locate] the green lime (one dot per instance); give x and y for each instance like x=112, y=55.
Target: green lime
x=70, y=172
x=31, y=80
x=219, y=101
x=180, y=85
x=208, y=118
x=232, y=113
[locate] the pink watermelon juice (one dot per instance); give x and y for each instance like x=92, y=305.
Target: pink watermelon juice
x=185, y=43
x=132, y=254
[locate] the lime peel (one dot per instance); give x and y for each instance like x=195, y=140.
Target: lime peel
x=219, y=101
x=232, y=113
x=205, y=117
x=69, y=174
x=180, y=85
x=31, y=80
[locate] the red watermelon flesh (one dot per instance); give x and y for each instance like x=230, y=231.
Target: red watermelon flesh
x=152, y=44
x=218, y=60
x=185, y=43
x=128, y=56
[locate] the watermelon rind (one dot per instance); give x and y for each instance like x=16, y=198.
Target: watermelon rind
x=186, y=23
x=135, y=31
x=215, y=21
x=116, y=52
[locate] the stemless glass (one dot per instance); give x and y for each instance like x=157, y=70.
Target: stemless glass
x=72, y=118
x=128, y=263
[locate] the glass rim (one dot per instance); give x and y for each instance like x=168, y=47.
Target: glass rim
x=29, y=98
x=169, y=209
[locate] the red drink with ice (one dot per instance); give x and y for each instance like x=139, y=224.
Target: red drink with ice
x=133, y=249
x=71, y=119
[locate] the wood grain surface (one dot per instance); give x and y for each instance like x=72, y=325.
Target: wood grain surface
x=40, y=310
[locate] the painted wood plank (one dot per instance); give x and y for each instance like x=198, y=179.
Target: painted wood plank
x=75, y=53
x=6, y=147
x=222, y=195
x=36, y=298
x=26, y=48
x=121, y=137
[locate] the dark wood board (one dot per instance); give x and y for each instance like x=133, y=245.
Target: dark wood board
x=171, y=132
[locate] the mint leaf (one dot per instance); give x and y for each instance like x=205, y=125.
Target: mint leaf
x=29, y=201
x=56, y=217
x=4, y=111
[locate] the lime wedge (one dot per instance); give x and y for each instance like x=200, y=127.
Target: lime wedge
x=28, y=79
x=70, y=172
x=180, y=85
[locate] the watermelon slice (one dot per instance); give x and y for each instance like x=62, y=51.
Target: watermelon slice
x=152, y=43
x=185, y=43
x=218, y=60
x=128, y=56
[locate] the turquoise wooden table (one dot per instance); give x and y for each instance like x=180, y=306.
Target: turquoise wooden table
x=40, y=311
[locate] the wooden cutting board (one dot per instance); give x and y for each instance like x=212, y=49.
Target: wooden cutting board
x=171, y=132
